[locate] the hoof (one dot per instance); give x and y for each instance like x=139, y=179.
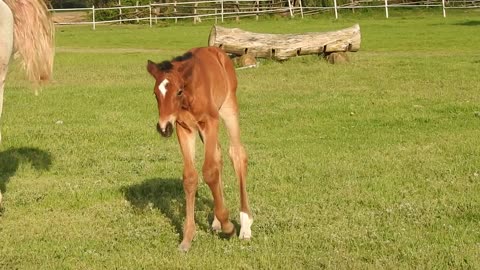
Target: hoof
x=184, y=247
x=216, y=226
x=246, y=223
x=231, y=233
x=245, y=234
x=229, y=230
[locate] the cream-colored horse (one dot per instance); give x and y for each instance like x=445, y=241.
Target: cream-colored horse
x=26, y=29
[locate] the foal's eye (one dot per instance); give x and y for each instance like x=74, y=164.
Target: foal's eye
x=179, y=92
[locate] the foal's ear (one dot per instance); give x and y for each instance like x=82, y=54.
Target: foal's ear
x=152, y=68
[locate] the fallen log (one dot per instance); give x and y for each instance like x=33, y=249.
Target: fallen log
x=283, y=46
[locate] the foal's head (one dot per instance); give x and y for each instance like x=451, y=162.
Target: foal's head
x=169, y=91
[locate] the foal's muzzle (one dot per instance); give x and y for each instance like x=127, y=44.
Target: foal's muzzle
x=167, y=132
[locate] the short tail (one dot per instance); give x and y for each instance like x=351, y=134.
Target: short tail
x=34, y=38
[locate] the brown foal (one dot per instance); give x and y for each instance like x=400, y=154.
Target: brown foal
x=193, y=91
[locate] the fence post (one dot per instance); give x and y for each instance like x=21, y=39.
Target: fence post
x=150, y=11
x=156, y=9
x=175, y=10
x=221, y=1
x=257, y=3
x=120, y=10
x=290, y=8
x=335, y=7
x=237, y=10
x=195, y=13
x=386, y=8
x=443, y=7
x=301, y=7
x=93, y=17
x=136, y=13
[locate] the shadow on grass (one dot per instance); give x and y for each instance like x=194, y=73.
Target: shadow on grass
x=167, y=195
x=469, y=23
x=11, y=159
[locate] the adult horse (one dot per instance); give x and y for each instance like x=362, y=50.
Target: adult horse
x=193, y=92
x=26, y=28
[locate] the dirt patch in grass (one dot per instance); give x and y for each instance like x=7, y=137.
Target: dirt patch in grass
x=70, y=17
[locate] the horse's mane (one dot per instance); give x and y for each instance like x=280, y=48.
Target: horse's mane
x=166, y=66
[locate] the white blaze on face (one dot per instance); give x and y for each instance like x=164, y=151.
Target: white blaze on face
x=163, y=87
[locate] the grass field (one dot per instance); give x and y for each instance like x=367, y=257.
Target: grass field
x=370, y=165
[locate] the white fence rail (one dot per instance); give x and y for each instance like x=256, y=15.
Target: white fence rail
x=224, y=9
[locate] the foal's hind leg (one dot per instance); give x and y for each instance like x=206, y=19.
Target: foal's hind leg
x=212, y=170
x=238, y=155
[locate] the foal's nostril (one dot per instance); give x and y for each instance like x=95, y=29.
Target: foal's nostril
x=167, y=132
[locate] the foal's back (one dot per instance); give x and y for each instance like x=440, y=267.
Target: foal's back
x=213, y=72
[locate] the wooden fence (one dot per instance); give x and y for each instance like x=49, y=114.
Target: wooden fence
x=198, y=11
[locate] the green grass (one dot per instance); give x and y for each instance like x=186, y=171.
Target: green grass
x=370, y=165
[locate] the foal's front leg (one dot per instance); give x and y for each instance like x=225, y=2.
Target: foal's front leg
x=186, y=139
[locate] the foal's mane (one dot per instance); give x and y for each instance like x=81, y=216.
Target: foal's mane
x=166, y=66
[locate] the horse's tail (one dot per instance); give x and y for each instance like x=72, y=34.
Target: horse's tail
x=34, y=38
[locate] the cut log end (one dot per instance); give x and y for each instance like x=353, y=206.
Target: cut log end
x=337, y=57
x=247, y=59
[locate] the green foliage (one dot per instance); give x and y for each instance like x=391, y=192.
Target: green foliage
x=368, y=165
x=69, y=4
x=116, y=14
x=97, y=3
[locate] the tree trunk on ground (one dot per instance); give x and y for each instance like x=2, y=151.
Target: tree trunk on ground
x=283, y=46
